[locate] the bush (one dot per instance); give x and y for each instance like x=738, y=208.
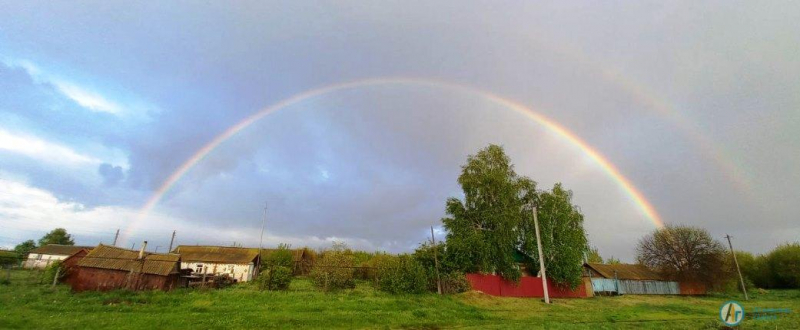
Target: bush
x=334, y=270
x=454, y=282
x=401, y=274
x=778, y=269
x=784, y=264
x=281, y=257
x=368, y=270
x=275, y=278
x=50, y=272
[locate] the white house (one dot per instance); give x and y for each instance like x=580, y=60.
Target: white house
x=43, y=256
x=239, y=263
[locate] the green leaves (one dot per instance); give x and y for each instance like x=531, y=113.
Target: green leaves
x=495, y=218
x=57, y=236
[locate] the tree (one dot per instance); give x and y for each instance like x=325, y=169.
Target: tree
x=593, y=256
x=784, y=264
x=25, y=247
x=495, y=218
x=684, y=253
x=482, y=230
x=57, y=236
x=613, y=261
x=564, y=241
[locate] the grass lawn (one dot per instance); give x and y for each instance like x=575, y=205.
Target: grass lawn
x=26, y=304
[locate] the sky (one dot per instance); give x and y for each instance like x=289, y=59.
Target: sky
x=101, y=102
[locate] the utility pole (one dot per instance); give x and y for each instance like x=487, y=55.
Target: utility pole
x=436, y=263
x=741, y=279
x=261, y=240
x=541, y=256
x=171, y=241
x=115, y=238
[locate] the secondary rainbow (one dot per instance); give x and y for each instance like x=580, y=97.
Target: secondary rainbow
x=636, y=196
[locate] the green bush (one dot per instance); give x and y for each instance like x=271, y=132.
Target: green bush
x=334, y=270
x=275, y=278
x=282, y=257
x=50, y=272
x=401, y=274
x=454, y=282
x=784, y=264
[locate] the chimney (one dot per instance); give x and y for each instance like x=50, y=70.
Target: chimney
x=141, y=252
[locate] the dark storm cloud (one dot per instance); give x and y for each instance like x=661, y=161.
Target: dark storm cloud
x=377, y=163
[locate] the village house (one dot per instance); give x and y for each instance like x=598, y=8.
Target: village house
x=241, y=264
x=109, y=268
x=44, y=256
x=619, y=279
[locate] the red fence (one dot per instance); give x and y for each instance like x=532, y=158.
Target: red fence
x=527, y=287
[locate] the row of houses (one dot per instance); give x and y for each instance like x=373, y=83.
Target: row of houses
x=107, y=267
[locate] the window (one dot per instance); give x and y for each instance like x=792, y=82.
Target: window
x=199, y=268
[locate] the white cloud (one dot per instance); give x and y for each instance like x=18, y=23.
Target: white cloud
x=28, y=212
x=83, y=96
x=43, y=150
x=87, y=99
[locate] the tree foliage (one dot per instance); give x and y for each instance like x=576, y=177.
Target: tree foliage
x=495, y=218
x=57, y=236
x=564, y=241
x=593, y=256
x=778, y=269
x=684, y=253
x=784, y=264
x=25, y=247
x=281, y=257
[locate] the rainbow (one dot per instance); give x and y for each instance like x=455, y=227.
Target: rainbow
x=737, y=175
x=636, y=196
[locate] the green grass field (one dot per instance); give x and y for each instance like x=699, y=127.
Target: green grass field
x=24, y=304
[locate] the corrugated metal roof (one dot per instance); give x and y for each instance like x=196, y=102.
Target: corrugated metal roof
x=110, y=257
x=57, y=249
x=625, y=272
x=217, y=254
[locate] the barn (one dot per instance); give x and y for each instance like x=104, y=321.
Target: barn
x=241, y=264
x=44, y=256
x=635, y=279
x=111, y=268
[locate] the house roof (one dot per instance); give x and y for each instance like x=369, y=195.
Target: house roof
x=57, y=249
x=217, y=254
x=624, y=271
x=110, y=257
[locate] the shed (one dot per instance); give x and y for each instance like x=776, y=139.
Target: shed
x=241, y=264
x=110, y=268
x=628, y=279
x=44, y=256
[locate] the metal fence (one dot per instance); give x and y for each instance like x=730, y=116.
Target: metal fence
x=613, y=286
